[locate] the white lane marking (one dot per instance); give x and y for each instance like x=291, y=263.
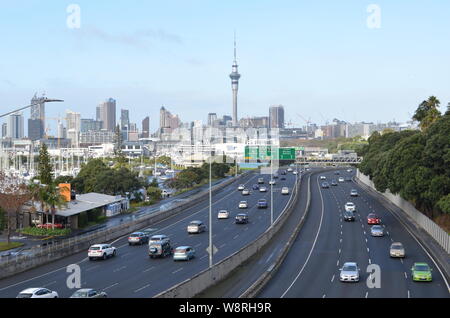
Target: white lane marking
x=149, y=269
x=91, y=268
x=223, y=245
x=339, y=251
x=406, y=276
x=370, y=261
x=198, y=245
x=324, y=295
x=203, y=256
x=312, y=248
x=46, y=285
x=110, y=286
x=366, y=240
x=332, y=279
x=367, y=294
x=178, y=270
x=401, y=260
x=337, y=264
x=368, y=250
x=409, y=294
x=236, y=236
x=144, y=287
x=119, y=269
x=340, y=241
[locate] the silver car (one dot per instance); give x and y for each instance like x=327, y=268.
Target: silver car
x=377, y=230
x=397, y=250
x=349, y=272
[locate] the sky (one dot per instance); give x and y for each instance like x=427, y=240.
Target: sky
x=319, y=59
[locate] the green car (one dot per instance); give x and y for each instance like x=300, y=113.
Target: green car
x=421, y=272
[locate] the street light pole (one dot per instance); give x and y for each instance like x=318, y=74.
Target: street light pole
x=271, y=189
x=211, y=252
x=45, y=100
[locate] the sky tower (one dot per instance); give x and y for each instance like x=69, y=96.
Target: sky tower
x=235, y=76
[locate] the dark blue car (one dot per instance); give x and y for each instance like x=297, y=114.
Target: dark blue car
x=255, y=187
x=262, y=204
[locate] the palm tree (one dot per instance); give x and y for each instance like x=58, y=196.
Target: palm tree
x=427, y=112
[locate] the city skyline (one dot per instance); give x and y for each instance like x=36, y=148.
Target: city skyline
x=340, y=67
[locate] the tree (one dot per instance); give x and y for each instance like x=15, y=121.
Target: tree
x=154, y=193
x=427, y=112
x=13, y=195
x=54, y=200
x=44, y=166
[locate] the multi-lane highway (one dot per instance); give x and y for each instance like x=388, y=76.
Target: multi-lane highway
x=133, y=274
x=326, y=242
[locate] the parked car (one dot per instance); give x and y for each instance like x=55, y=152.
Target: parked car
x=284, y=190
x=397, y=250
x=349, y=272
x=350, y=206
x=88, y=293
x=349, y=216
x=246, y=192
x=37, y=293
x=421, y=272
x=223, y=214
x=241, y=218
x=373, y=219
x=183, y=253
x=353, y=193
x=159, y=249
x=101, y=251
x=262, y=204
x=243, y=205
x=377, y=230
x=138, y=238
x=262, y=189
x=196, y=227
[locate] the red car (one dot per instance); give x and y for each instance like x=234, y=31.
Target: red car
x=372, y=218
x=49, y=226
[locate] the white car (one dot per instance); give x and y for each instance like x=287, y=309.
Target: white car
x=350, y=206
x=37, y=293
x=295, y=172
x=158, y=238
x=272, y=182
x=243, y=205
x=289, y=169
x=196, y=227
x=349, y=170
x=284, y=190
x=349, y=272
x=246, y=192
x=241, y=187
x=323, y=178
x=101, y=251
x=262, y=189
x=223, y=214
x=341, y=179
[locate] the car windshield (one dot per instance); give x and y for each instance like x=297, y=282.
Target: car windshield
x=349, y=268
x=422, y=268
x=80, y=294
x=397, y=247
x=377, y=228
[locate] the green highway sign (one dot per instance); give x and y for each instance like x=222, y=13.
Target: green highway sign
x=265, y=153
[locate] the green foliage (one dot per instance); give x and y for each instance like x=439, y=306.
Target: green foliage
x=44, y=166
x=414, y=164
x=427, y=112
x=34, y=231
x=193, y=176
x=63, y=179
x=96, y=176
x=154, y=193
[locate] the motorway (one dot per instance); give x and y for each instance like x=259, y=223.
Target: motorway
x=326, y=242
x=133, y=274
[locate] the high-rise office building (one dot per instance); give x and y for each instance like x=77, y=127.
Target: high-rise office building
x=73, y=121
x=4, y=130
x=167, y=121
x=276, y=116
x=36, y=122
x=90, y=124
x=124, y=119
x=15, y=126
x=146, y=127
x=212, y=117
x=235, y=76
x=108, y=114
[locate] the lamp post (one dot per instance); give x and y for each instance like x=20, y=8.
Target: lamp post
x=211, y=252
x=45, y=100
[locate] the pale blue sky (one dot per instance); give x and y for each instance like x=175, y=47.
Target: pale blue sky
x=317, y=58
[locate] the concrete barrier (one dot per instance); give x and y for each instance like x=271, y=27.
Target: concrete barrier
x=207, y=278
x=76, y=245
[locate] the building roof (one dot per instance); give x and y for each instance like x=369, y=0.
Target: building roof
x=85, y=202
